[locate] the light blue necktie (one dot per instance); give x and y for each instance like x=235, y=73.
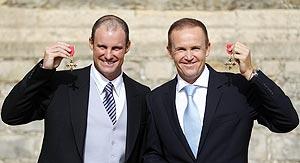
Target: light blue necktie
x=109, y=102
x=191, y=120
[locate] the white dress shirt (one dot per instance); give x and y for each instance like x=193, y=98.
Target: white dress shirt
x=199, y=96
x=119, y=92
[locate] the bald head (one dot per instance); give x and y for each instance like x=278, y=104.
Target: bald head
x=112, y=23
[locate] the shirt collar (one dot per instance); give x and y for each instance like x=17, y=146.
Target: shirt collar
x=101, y=81
x=202, y=80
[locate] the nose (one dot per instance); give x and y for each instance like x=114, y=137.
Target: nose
x=189, y=56
x=108, y=54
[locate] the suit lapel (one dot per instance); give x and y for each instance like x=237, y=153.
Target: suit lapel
x=78, y=93
x=133, y=114
x=214, y=94
x=169, y=102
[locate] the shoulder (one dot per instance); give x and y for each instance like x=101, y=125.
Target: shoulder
x=166, y=87
x=228, y=80
x=227, y=77
x=74, y=72
x=67, y=76
x=133, y=84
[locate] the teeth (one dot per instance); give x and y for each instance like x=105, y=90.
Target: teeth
x=109, y=63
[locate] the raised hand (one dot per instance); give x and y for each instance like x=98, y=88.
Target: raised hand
x=242, y=55
x=54, y=54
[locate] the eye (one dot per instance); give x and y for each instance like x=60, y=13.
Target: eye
x=102, y=47
x=179, y=50
x=116, y=48
x=196, y=48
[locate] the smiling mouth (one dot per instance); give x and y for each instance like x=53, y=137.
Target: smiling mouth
x=188, y=63
x=108, y=62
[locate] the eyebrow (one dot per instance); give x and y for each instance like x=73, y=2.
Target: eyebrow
x=179, y=48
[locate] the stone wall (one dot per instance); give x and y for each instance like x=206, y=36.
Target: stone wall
x=27, y=27
x=158, y=4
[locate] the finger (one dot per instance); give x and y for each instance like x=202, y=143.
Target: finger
x=239, y=57
x=58, y=44
x=61, y=55
x=56, y=49
x=241, y=50
x=61, y=45
x=56, y=52
x=239, y=44
x=64, y=46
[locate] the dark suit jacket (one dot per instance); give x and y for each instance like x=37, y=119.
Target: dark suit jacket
x=232, y=105
x=61, y=99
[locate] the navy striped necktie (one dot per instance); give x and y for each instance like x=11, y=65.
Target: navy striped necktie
x=109, y=102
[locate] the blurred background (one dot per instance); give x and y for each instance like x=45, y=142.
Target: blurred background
x=271, y=28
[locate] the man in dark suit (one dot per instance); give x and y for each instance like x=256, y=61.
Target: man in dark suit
x=206, y=116
x=93, y=114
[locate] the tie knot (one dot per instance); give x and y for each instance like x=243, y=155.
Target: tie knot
x=109, y=87
x=190, y=90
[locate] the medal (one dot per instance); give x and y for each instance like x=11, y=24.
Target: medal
x=71, y=65
x=231, y=61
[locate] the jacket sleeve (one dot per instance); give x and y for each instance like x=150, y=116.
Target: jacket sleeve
x=275, y=110
x=25, y=101
x=153, y=152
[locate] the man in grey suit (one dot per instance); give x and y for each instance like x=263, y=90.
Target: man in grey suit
x=93, y=114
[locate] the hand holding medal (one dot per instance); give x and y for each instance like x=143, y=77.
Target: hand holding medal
x=54, y=54
x=239, y=54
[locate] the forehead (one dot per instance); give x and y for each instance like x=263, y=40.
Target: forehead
x=104, y=32
x=187, y=29
x=108, y=28
x=188, y=34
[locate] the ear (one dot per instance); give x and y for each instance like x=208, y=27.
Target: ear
x=208, y=49
x=91, y=44
x=169, y=50
x=128, y=46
